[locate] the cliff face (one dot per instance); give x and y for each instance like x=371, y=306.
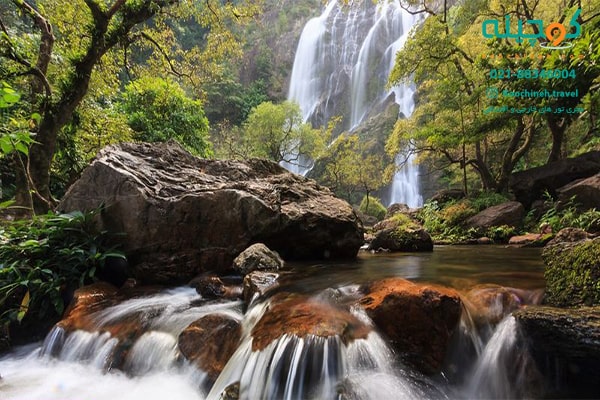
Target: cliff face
x=272, y=41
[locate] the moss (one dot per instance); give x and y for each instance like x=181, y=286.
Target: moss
x=573, y=273
x=375, y=208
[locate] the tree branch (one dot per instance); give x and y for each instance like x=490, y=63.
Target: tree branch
x=31, y=70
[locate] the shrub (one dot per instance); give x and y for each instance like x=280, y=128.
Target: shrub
x=42, y=258
x=570, y=216
x=502, y=233
x=456, y=213
x=485, y=199
x=374, y=209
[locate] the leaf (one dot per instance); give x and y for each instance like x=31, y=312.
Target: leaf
x=29, y=243
x=24, y=307
x=36, y=117
x=6, y=204
x=115, y=255
x=5, y=145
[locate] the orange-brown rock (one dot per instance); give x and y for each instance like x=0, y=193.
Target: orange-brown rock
x=209, y=342
x=531, y=240
x=488, y=304
x=418, y=319
x=302, y=316
x=89, y=300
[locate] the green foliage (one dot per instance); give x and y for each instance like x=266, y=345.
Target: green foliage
x=501, y=234
x=351, y=167
x=456, y=213
x=158, y=110
x=452, y=124
x=561, y=216
x=572, y=273
x=485, y=199
x=43, y=257
x=372, y=206
x=404, y=222
x=445, y=223
x=277, y=132
x=14, y=129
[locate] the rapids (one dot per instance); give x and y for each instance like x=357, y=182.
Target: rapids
x=483, y=361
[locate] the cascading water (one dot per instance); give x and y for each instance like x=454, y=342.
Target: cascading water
x=341, y=68
x=148, y=365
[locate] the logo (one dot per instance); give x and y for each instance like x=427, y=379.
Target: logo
x=555, y=33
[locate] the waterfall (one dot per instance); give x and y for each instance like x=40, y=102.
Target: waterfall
x=341, y=67
x=315, y=367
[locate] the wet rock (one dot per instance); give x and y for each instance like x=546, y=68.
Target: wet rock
x=565, y=344
x=210, y=342
x=489, y=304
x=257, y=257
x=586, y=192
x=510, y=213
x=395, y=209
x=182, y=215
x=572, y=273
x=87, y=300
x=418, y=319
x=530, y=240
x=484, y=240
x=302, y=316
x=231, y=392
x=212, y=287
x=258, y=282
x=400, y=233
x=569, y=235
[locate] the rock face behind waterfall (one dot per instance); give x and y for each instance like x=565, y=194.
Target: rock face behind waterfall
x=183, y=215
x=418, y=319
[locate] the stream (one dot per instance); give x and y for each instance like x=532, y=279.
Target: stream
x=481, y=363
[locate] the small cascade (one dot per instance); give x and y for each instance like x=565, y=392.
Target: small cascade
x=493, y=375
x=153, y=351
x=315, y=367
x=405, y=183
x=161, y=318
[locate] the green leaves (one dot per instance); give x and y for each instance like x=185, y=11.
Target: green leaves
x=8, y=96
x=158, y=110
x=42, y=257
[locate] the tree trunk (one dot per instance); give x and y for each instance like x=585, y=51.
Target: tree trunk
x=557, y=129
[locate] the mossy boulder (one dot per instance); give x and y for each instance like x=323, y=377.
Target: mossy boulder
x=573, y=273
x=400, y=233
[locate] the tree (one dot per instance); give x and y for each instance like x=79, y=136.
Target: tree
x=62, y=70
x=351, y=168
x=277, y=132
x=444, y=59
x=158, y=110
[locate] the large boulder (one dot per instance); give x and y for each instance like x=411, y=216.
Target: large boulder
x=565, y=344
x=572, y=273
x=182, y=215
x=210, y=342
x=510, y=213
x=400, y=233
x=530, y=185
x=418, y=319
x=586, y=192
x=301, y=316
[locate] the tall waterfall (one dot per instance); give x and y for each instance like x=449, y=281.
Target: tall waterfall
x=341, y=68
